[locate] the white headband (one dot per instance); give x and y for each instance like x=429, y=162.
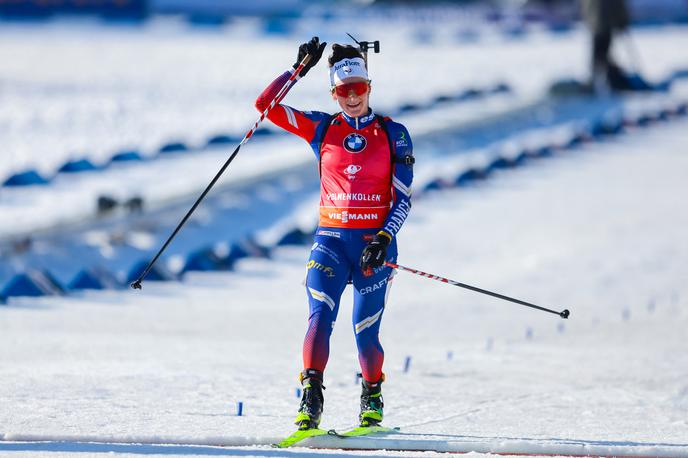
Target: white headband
x=348, y=68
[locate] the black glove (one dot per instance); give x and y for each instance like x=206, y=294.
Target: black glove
x=375, y=253
x=315, y=49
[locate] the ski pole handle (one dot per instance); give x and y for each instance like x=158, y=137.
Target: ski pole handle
x=563, y=314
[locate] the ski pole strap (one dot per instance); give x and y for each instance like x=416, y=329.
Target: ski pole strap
x=278, y=98
x=563, y=314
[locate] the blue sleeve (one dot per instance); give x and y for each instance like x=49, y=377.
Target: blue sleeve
x=322, y=120
x=402, y=178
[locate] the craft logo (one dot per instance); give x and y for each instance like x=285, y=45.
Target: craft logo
x=352, y=170
x=355, y=143
x=370, y=289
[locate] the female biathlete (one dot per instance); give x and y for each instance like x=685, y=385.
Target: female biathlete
x=366, y=169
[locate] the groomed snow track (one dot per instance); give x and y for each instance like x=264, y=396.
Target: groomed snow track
x=401, y=441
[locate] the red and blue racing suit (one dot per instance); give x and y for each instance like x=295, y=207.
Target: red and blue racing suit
x=365, y=187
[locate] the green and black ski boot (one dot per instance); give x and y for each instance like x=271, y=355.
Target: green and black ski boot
x=371, y=403
x=312, y=400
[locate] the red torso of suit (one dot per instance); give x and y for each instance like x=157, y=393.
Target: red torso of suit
x=355, y=176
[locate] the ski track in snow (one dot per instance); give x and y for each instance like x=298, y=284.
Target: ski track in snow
x=599, y=230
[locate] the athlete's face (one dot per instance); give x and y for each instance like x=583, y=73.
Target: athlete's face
x=352, y=95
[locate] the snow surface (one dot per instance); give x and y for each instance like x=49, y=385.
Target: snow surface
x=599, y=231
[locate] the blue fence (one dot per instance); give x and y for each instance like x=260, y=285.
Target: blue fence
x=105, y=8
x=39, y=282
x=31, y=177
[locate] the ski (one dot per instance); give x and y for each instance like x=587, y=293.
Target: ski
x=300, y=435
x=357, y=431
x=362, y=431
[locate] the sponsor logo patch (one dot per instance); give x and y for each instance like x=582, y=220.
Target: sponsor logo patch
x=352, y=170
x=346, y=65
x=402, y=140
x=355, y=143
x=327, y=270
x=328, y=252
x=329, y=233
x=373, y=288
x=358, y=196
x=347, y=216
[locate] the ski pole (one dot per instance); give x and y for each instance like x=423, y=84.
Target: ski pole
x=564, y=313
x=278, y=98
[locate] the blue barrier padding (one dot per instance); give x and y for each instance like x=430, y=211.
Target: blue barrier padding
x=679, y=74
x=173, y=148
x=207, y=19
x=408, y=107
x=27, y=178
x=501, y=163
x=520, y=159
x=575, y=140
x=126, y=156
x=77, y=165
x=93, y=279
x=157, y=273
x=598, y=129
x=81, y=165
x=501, y=88
x=278, y=26
x=263, y=132
x=423, y=36
x=469, y=176
x=31, y=9
x=435, y=184
x=467, y=36
x=249, y=247
x=545, y=151
x=442, y=99
x=515, y=31
x=559, y=27
x=613, y=127
x=221, y=140
x=244, y=249
x=32, y=283
x=295, y=237
x=641, y=120
x=469, y=94
x=203, y=261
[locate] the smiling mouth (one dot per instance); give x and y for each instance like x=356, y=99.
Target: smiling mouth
x=356, y=105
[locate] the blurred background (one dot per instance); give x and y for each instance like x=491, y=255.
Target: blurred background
x=116, y=113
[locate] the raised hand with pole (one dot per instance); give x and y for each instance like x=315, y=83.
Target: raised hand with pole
x=308, y=56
